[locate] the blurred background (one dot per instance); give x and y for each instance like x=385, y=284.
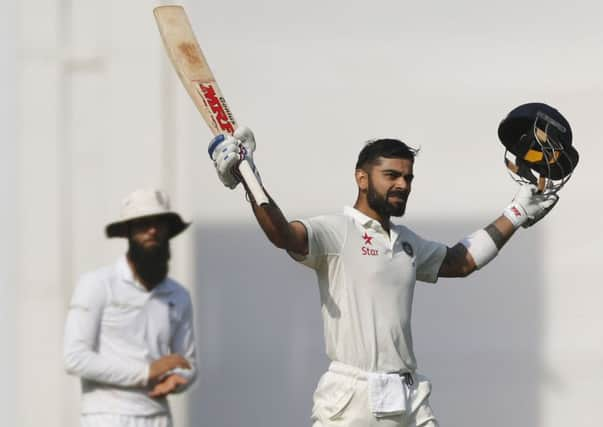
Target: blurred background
x=91, y=109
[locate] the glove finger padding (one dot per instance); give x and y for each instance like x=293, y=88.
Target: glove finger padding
x=529, y=206
x=228, y=151
x=226, y=154
x=546, y=205
x=227, y=157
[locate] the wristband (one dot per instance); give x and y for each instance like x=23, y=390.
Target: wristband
x=481, y=247
x=516, y=214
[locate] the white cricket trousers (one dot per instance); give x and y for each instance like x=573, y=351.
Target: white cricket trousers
x=341, y=400
x=116, y=420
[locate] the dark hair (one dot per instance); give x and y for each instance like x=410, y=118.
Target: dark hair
x=386, y=147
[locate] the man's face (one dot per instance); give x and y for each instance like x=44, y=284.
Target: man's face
x=389, y=184
x=149, y=233
x=149, y=248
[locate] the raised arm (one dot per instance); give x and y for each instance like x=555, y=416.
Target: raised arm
x=459, y=262
x=475, y=251
x=227, y=151
x=291, y=236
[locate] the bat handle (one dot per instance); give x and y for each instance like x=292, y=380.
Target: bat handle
x=252, y=183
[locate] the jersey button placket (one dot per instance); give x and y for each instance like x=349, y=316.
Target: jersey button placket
x=393, y=240
x=384, y=237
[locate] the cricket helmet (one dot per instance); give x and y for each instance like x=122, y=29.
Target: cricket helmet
x=538, y=142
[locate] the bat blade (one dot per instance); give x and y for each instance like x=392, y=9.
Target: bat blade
x=193, y=69
x=197, y=78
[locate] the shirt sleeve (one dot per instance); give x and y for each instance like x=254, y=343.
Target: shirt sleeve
x=429, y=258
x=326, y=236
x=81, y=340
x=183, y=343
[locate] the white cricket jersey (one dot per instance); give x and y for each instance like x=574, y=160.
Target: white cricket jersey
x=366, y=279
x=115, y=327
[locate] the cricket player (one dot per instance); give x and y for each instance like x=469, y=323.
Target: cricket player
x=129, y=330
x=366, y=267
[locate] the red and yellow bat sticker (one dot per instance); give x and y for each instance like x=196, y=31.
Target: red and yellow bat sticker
x=220, y=113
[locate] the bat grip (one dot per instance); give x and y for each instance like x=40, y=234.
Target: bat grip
x=253, y=184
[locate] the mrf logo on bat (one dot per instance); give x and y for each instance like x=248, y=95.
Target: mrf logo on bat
x=217, y=105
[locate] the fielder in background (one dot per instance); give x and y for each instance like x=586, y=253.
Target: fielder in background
x=129, y=331
x=366, y=267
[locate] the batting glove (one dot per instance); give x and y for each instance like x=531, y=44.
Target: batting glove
x=228, y=151
x=529, y=206
x=225, y=153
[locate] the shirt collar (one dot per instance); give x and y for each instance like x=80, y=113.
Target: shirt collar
x=125, y=272
x=364, y=220
x=127, y=275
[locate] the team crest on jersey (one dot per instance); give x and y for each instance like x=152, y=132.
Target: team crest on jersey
x=407, y=248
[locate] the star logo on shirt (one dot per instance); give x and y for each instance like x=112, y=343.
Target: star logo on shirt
x=368, y=240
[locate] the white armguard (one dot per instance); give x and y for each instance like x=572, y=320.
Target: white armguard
x=481, y=247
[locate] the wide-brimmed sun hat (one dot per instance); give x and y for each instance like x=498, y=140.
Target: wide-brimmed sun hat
x=144, y=203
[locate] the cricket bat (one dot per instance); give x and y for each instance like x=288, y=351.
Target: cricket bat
x=199, y=81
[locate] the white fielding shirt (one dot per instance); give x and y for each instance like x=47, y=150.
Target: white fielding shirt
x=366, y=279
x=115, y=328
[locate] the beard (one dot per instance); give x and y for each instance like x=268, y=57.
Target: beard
x=380, y=204
x=150, y=263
